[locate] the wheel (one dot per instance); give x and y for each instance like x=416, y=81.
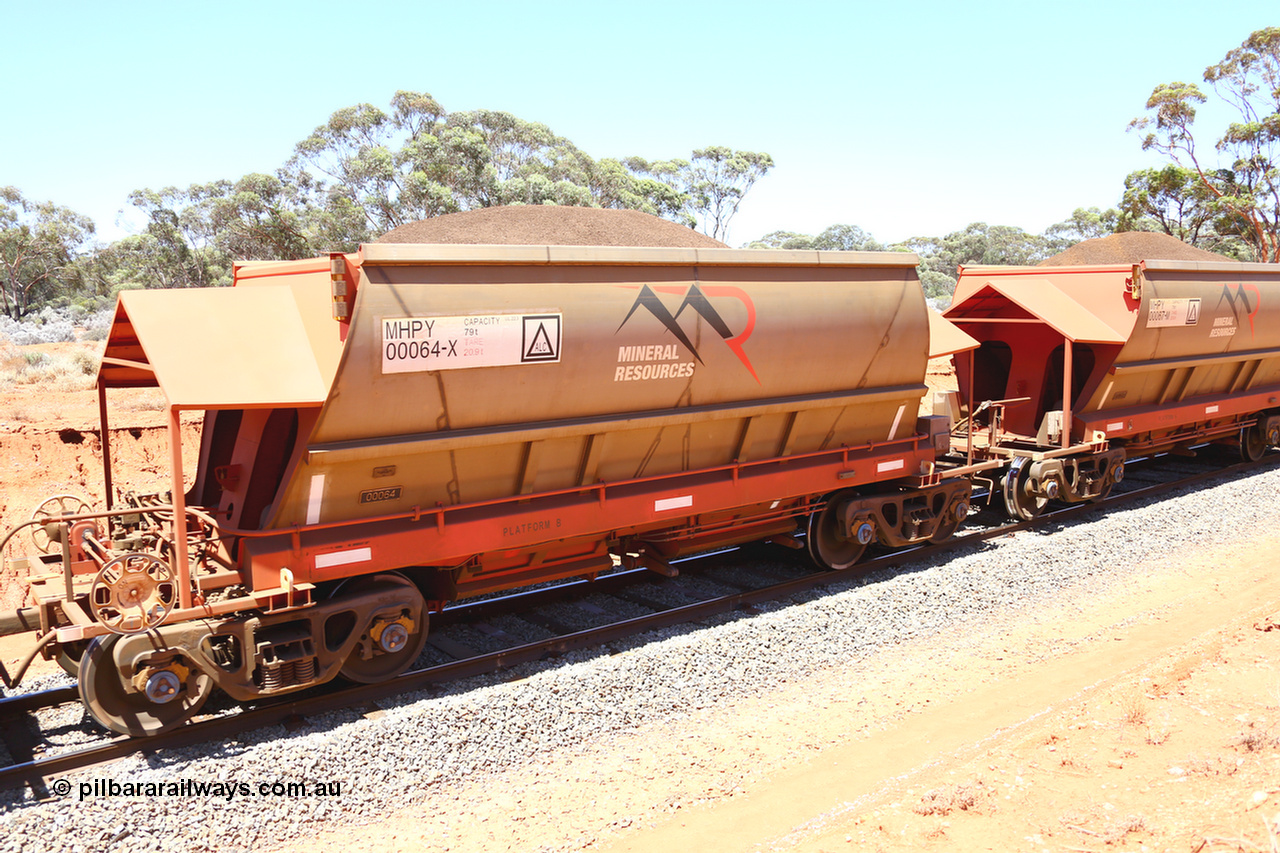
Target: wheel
x=69, y=656
x=133, y=593
x=828, y=548
x=387, y=647
x=53, y=509
x=954, y=516
x=1114, y=475
x=1017, y=500
x=179, y=693
x=1253, y=443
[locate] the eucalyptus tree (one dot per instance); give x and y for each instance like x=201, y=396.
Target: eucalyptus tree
x=847, y=238
x=839, y=238
x=40, y=244
x=418, y=160
x=180, y=238
x=1243, y=188
x=366, y=171
x=1174, y=200
x=717, y=179
x=782, y=240
x=1085, y=223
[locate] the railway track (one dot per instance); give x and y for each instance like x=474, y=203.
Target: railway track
x=456, y=660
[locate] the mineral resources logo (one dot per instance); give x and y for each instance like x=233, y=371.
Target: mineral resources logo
x=697, y=299
x=1239, y=299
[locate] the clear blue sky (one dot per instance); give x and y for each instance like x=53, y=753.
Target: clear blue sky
x=907, y=118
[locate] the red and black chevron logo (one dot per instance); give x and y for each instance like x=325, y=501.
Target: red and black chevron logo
x=698, y=299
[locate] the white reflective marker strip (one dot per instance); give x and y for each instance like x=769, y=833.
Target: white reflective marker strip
x=1116, y=427
x=1209, y=410
x=1106, y=394
x=673, y=503
x=893, y=430
x=895, y=465
x=343, y=558
x=314, y=499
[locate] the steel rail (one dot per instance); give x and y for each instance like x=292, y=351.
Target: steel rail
x=276, y=712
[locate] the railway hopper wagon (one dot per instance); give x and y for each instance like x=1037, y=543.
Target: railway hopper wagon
x=388, y=431
x=1081, y=367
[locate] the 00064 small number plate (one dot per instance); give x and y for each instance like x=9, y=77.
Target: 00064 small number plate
x=374, y=495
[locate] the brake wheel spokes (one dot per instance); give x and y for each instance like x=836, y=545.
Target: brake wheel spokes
x=133, y=593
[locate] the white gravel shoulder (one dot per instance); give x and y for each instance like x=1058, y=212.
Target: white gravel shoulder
x=353, y=768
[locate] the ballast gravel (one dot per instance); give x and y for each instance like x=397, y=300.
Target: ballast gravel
x=353, y=766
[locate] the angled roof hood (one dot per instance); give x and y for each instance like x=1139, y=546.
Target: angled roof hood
x=1036, y=298
x=945, y=338
x=219, y=348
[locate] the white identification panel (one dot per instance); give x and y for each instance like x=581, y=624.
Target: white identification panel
x=1164, y=313
x=414, y=344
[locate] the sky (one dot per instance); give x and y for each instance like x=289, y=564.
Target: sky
x=905, y=119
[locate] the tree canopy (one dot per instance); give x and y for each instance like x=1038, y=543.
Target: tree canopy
x=842, y=238
x=1174, y=200
x=977, y=243
x=367, y=170
x=38, y=246
x=1240, y=195
x=361, y=173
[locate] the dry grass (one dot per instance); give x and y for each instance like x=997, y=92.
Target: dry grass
x=1217, y=765
x=949, y=798
x=139, y=400
x=71, y=369
x=1107, y=828
x=1241, y=843
x=1133, y=707
x=1256, y=738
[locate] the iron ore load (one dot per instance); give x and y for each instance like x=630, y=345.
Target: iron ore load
x=394, y=429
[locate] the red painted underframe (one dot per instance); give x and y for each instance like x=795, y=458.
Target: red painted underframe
x=450, y=536
x=1143, y=419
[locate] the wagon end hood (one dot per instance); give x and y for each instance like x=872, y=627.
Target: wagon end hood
x=224, y=348
x=1038, y=297
x=946, y=338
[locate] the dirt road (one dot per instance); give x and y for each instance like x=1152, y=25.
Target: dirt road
x=1142, y=719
